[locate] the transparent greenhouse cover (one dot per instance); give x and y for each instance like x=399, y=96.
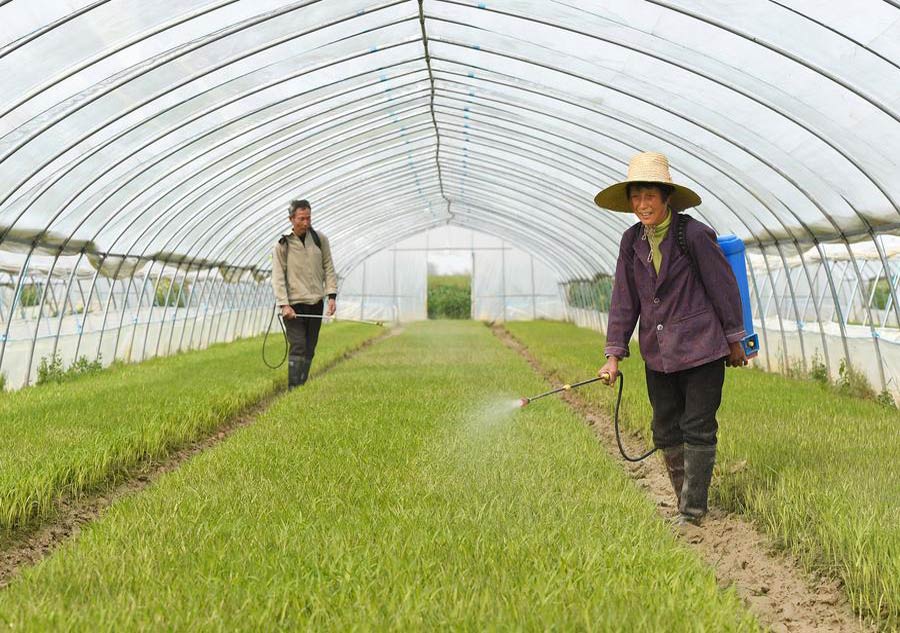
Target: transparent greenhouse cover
x=177, y=130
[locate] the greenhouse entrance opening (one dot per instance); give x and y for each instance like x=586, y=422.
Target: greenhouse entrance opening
x=505, y=283
x=450, y=285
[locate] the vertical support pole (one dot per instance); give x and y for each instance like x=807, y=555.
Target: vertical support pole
x=362, y=299
x=893, y=283
x=872, y=331
x=225, y=302
x=762, y=314
x=533, y=291
x=836, y=299
x=784, y=349
x=775, y=294
x=850, y=310
x=503, y=277
x=110, y=301
x=125, y=302
x=178, y=297
x=137, y=307
x=37, y=317
x=62, y=313
x=17, y=297
x=221, y=293
x=209, y=286
x=797, y=320
x=165, y=308
x=187, y=303
x=187, y=311
x=812, y=288
x=240, y=312
x=2, y=301
x=242, y=318
x=37, y=324
x=82, y=326
x=153, y=297
x=472, y=297
x=396, y=301
x=209, y=319
x=870, y=299
x=892, y=291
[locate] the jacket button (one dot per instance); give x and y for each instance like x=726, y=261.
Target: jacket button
x=659, y=327
x=655, y=299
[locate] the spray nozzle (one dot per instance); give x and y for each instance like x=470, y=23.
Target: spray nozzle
x=525, y=401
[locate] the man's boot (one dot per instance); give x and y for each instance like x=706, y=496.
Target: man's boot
x=674, y=460
x=305, y=364
x=295, y=371
x=698, y=469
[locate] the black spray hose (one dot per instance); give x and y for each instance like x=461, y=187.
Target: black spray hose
x=616, y=426
x=266, y=338
x=525, y=401
x=284, y=332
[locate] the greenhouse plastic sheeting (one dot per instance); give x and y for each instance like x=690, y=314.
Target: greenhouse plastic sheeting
x=173, y=133
x=183, y=127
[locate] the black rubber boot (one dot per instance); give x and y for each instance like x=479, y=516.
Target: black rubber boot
x=698, y=469
x=295, y=371
x=674, y=460
x=305, y=364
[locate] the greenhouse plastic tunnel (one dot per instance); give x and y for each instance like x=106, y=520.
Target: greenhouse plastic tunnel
x=148, y=151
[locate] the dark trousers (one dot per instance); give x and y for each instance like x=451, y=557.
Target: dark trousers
x=685, y=404
x=303, y=332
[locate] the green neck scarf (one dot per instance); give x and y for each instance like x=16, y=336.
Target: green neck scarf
x=655, y=235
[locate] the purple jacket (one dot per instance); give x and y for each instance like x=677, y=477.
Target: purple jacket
x=684, y=323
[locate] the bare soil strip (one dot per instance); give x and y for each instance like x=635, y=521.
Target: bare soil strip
x=773, y=586
x=32, y=544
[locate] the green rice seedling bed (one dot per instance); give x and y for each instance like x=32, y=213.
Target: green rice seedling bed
x=63, y=439
x=401, y=491
x=817, y=470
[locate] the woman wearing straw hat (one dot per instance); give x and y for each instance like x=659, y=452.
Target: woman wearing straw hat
x=690, y=321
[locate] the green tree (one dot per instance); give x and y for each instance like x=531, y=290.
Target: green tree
x=449, y=297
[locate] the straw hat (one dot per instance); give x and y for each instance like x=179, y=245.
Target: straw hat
x=646, y=167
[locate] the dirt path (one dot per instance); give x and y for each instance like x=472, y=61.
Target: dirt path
x=29, y=546
x=773, y=586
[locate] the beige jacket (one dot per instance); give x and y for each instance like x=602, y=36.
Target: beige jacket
x=310, y=270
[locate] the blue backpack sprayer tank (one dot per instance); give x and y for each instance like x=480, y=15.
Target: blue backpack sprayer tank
x=734, y=251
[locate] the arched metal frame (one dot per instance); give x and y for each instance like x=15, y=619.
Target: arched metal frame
x=420, y=113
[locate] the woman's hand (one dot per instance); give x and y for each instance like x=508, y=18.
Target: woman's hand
x=736, y=356
x=610, y=371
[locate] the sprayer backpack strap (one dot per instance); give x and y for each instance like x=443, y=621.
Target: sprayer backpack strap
x=681, y=221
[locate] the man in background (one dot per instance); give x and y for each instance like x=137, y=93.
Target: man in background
x=302, y=276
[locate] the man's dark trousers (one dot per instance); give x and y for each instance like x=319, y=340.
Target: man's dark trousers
x=303, y=335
